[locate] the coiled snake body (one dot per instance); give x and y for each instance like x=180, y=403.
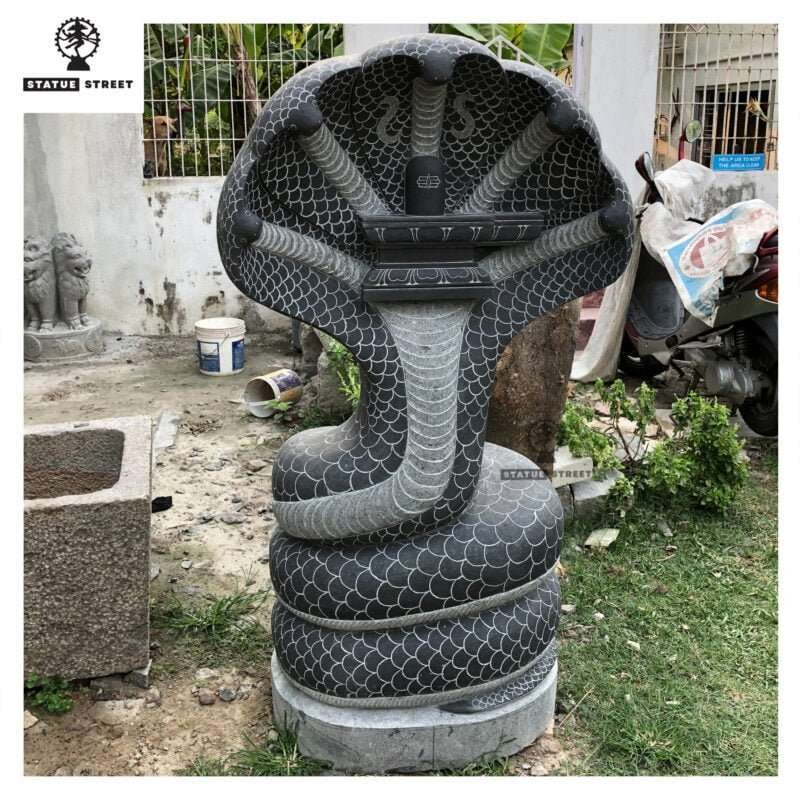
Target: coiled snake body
x=415, y=563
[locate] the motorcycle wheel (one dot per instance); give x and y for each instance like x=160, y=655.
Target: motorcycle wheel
x=761, y=413
x=635, y=365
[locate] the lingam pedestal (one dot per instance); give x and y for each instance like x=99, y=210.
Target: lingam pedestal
x=421, y=203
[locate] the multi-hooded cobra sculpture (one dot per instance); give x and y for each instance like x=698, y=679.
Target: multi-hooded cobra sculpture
x=421, y=203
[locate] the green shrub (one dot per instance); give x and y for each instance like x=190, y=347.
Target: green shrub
x=347, y=372
x=52, y=694
x=702, y=464
x=584, y=440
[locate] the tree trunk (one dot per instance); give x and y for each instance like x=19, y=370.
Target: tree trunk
x=531, y=387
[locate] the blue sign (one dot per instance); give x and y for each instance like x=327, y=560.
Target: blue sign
x=737, y=162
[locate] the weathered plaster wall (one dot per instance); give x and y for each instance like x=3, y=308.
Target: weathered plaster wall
x=156, y=268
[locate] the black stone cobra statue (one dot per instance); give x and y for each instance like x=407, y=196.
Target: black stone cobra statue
x=421, y=203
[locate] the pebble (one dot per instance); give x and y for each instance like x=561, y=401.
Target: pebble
x=232, y=518
x=634, y=645
x=155, y=571
x=226, y=693
x=272, y=735
x=664, y=529
x=599, y=616
x=152, y=698
x=567, y=608
x=206, y=674
x=186, y=563
x=206, y=697
x=214, y=466
x=30, y=719
x=256, y=465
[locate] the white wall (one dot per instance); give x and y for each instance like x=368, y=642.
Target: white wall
x=153, y=242
x=358, y=38
x=615, y=78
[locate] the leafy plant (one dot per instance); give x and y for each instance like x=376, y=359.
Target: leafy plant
x=545, y=44
x=281, y=409
x=51, y=693
x=347, y=372
x=702, y=463
x=584, y=440
x=639, y=409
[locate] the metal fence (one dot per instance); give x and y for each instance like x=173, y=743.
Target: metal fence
x=725, y=76
x=204, y=86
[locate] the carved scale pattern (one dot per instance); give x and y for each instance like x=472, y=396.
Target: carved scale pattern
x=456, y=603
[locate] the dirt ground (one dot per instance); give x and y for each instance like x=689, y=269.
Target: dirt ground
x=209, y=474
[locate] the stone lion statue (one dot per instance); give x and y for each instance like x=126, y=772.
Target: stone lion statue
x=40, y=284
x=72, y=265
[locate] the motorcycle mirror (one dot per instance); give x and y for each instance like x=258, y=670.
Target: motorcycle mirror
x=644, y=166
x=693, y=131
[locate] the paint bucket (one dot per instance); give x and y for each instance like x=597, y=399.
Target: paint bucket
x=220, y=345
x=283, y=385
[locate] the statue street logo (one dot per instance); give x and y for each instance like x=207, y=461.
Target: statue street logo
x=77, y=39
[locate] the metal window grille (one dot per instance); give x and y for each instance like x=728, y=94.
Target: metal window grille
x=204, y=85
x=725, y=76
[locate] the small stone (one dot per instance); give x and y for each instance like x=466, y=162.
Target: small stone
x=232, y=518
x=152, y=698
x=140, y=677
x=226, y=693
x=567, y=608
x=244, y=691
x=206, y=697
x=628, y=698
x=30, y=719
x=664, y=529
x=272, y=735
x=155, y=571
x=256, y=465
x=214, y=466
x=62, y=772
x=634, y=645
x=186, y=563
x=599, y=616
x=205, y=674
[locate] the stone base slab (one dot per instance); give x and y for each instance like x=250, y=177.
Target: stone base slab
x=375, y=741
x=63, y=343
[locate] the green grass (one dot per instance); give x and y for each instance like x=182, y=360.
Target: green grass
x=211, y=632
x=700, y=697
x=275, y=755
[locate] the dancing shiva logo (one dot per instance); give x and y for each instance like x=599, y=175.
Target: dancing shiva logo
x=77, y=39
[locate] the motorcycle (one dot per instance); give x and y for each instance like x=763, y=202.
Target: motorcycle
x=734, y=347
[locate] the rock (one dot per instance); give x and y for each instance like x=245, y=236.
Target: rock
x=599, y=616
x=140, y=677
x=256, y=465
x=244, y=691
x=589, y=496
x=567, y=608
x=664, y=529
x=205, y=674
x=226, y=693
x=214, y=466
x=232, y=518
x=601, y=537
x=567, y=503
x=116, y=712
x=29, y=719
x=206, y=697
x=63, y=772
x=152, y=698
x=634, y=645
x=272, y=735
x=155, y=571
x=186, y=563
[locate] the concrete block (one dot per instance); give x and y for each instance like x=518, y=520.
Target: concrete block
x=568, y=469
x=376, y=741
x=589, y=496
x=86, y=551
